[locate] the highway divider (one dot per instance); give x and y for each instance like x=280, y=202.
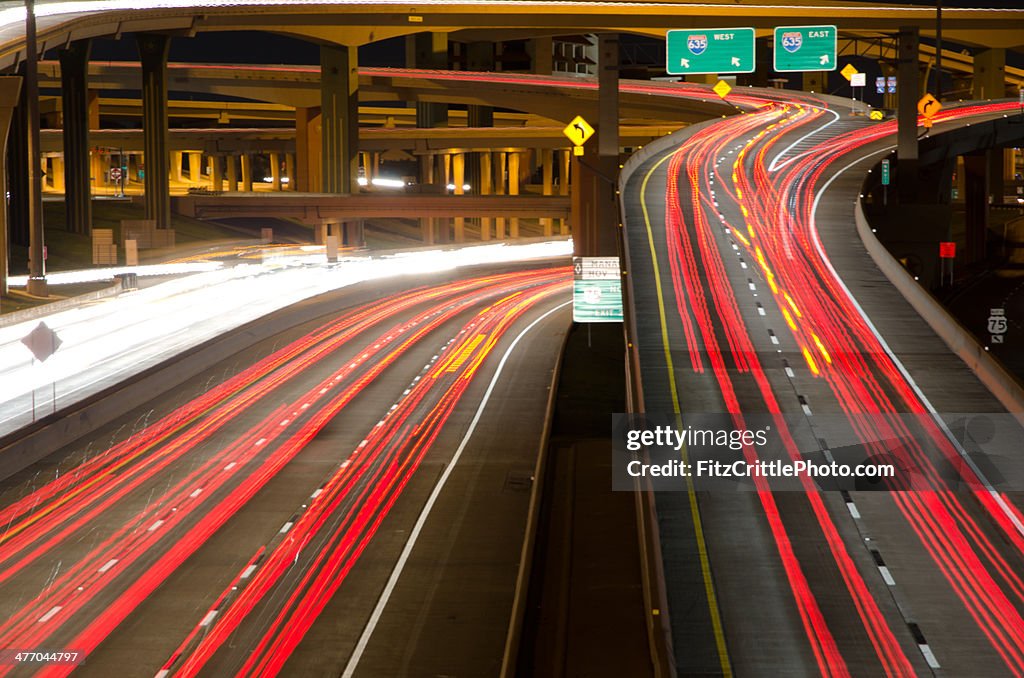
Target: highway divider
x=43, y=310
x=519, y=597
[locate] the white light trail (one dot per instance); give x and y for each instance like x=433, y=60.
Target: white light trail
x=108, y=341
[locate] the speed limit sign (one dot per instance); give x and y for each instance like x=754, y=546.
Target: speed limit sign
x=115, y=173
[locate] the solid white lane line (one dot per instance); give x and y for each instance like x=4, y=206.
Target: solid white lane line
x=396, y=573
x=996, y=497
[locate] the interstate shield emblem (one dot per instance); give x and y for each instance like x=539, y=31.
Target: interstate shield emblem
x=792, y=41
x=697, y=44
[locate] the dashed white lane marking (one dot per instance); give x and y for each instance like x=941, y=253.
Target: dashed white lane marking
x=790, y=373
x=247, y=572
x=287, y=526
x=109, y=564
x=886, y=575
x=806, y=409
x=775, y=339
x=260, y=441
x=208, y=619
x=49, y=615
x=853, y=510
x=316, y=494
x=231, y=466
x=929, y=656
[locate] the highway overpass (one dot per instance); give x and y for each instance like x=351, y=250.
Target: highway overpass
x=343, y=478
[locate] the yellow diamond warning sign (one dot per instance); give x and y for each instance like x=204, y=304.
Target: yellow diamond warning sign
x=722, y=88
x=928, y=106
x=578, y=131
x=848, y=71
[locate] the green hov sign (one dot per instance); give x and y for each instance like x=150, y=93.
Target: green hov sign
x=710, y=50
x=597, y=290
x=805, y=48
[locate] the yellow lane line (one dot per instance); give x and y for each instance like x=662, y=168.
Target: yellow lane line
x=698, y=528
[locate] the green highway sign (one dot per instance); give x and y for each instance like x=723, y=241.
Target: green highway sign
x=885, y=172
x=709, y=50
x=597, y=290
x=597, y=301
x=805, y=48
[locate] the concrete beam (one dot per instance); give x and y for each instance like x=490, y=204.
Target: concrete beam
x=315, y=208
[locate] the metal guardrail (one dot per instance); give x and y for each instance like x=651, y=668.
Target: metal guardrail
x=15, y=317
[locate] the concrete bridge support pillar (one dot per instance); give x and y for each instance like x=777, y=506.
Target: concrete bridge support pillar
x=427, y=172
x=976, y=196
x=542, y=56
x=246, y=159
x=17, y=171
x=364, y=162
x=990, y=74
x=339, y=107
x=479, y=57
x=289, y=171
x=444, y=177
x=74, y=80
x=547, y=185
x=459, y=179
x=153, y=50
x=216, y=173
x=565, y=162
x=99, y=162
x=908, y=94
x=485, y=187
x=232, y=164
x=195, y=168
x=275, y=171
x=10, y=89
x=308, y=130
x=996, y=177
x=594, y=214
x=353, y=233
x=514, y=164
x=428, y=50
x=177, y=169
x=814, y=81
x=500, y=188
x=56, y=174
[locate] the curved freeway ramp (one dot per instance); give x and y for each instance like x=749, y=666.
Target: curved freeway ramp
x=755, y=303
